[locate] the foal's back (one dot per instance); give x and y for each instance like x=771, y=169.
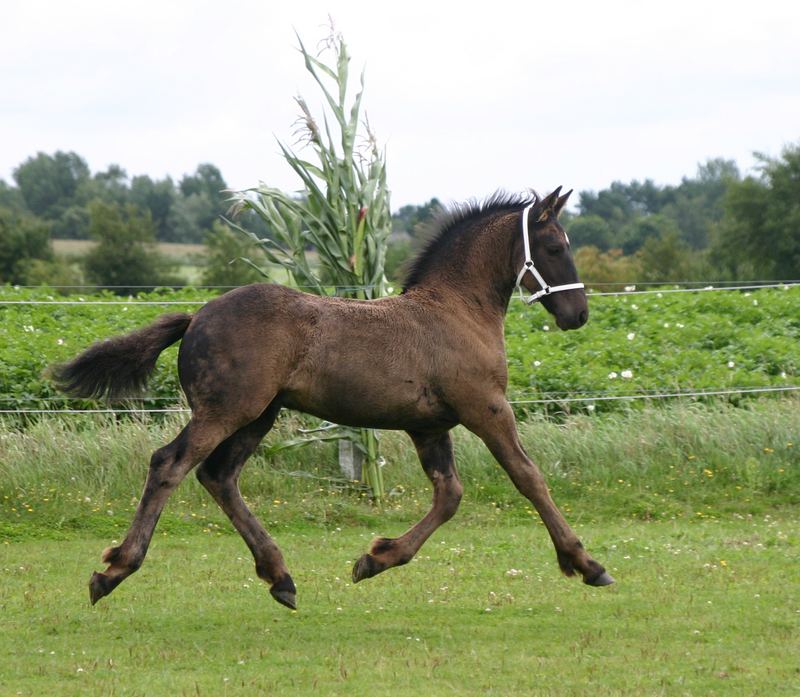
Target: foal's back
x=388, y=363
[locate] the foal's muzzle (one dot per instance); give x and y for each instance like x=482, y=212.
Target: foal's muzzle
x=572, y=320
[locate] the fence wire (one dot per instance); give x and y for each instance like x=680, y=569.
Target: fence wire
x=520, y=399
x=517, y=401
x=630, y=290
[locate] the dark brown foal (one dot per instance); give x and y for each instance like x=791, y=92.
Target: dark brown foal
x=423, y=362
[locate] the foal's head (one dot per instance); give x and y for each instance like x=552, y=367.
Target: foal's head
x=552, y=259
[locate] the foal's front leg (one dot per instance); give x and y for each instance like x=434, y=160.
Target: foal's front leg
x=497, y=428
x=436, y=455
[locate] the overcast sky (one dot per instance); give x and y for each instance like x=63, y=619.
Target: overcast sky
x=466, y=98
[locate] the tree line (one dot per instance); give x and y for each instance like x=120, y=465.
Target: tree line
x=716, y=225
x=57, y=197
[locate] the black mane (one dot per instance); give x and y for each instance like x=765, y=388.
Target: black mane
x=449, y=225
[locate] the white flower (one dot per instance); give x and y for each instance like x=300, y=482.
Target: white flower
x=679, y=325
x=612, y=375
x=590, y=407
x=537, y=363
x=666, y=325
x=630, y=289
x=60, y=342
x=755, y=302
x=634, y=306
x=631, y=336
x=731, y=364
x=627, y=373
x=545, y=328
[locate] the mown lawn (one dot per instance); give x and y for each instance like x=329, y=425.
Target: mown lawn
x=701, y=607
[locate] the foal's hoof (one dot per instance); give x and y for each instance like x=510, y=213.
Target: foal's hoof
x=285, y=598
x=100, y=586
x=604, y=579
x=285, y=592
x=366, y=567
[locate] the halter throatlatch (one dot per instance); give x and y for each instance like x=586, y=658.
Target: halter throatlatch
x=529, y=266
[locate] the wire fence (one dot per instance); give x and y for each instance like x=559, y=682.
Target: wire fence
x=629, y=289
x=518, y=399
x=187, y=286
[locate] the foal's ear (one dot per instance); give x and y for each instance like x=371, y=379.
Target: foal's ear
x=561, y=202
x=546, y=207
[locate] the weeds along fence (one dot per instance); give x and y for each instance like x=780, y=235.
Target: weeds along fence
x=646, y=344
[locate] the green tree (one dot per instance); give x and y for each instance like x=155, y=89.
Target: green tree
x=606, y=267
x=590, y=230
x=72, y=224
x=156, y=196
x=644, y=227
x=398, y=254
x=110, y=186
x=226, y=256
x=760, y=231
x=667, y=257
x=49, y=183
x=10, y=197
x=408, y=219
x=124, y=258
x=22, y=239
x=203, y=199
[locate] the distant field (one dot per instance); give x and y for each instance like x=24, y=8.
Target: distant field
x=76, y=248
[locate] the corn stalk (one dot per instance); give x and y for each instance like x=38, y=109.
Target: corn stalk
x=331, y=235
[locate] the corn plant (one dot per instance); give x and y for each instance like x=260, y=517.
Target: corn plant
x=331, y=235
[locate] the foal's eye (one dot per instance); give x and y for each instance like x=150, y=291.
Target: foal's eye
x=554, y=251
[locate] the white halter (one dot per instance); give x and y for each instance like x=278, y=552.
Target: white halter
x=529, y=266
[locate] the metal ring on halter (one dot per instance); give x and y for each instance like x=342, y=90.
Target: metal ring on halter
x=529, y=266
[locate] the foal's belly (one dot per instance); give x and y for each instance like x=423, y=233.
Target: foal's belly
x=371, y=399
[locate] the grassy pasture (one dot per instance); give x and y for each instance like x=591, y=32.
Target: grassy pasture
x=692, y=508
x=700, y=608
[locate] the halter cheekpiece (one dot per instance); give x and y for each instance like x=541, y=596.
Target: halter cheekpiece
x=529, y=266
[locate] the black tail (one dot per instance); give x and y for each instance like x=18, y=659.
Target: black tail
x=117, y=366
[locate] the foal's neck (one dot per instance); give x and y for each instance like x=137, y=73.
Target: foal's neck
x=481, y=273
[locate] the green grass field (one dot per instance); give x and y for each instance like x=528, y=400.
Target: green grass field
x=692, y=508
x=699, y=608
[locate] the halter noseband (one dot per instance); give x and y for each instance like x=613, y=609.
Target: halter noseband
x=529, y=266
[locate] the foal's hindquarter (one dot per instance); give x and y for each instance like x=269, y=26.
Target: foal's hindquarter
x=422, y=362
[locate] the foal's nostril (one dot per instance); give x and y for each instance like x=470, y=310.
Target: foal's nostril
x=582, y=317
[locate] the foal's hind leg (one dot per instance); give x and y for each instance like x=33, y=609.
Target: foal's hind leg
x=436, y=454
x=168, y=466
x=219, y=473
x=497, y=429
